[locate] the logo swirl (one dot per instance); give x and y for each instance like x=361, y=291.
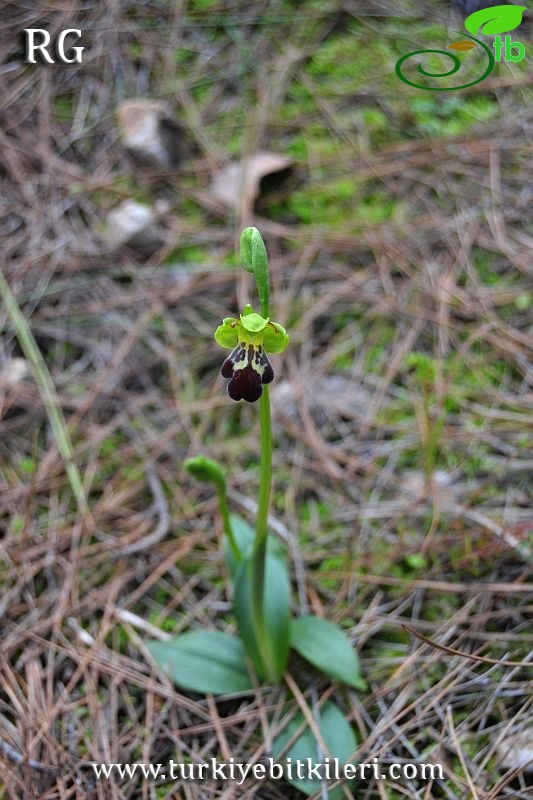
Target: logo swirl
x=456, y=67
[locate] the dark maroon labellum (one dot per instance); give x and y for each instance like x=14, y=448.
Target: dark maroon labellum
x=248, y=368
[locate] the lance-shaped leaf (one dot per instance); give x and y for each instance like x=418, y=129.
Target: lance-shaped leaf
x=269, y=657
x=209, y=662
x=338, y=736
x=328, y=648
x=244, y=537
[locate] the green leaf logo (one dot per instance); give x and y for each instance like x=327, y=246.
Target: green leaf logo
x=498, y=19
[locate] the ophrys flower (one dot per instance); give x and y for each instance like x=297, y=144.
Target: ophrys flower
x=250, y=337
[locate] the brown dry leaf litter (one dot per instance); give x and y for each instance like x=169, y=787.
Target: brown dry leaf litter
x=129, y=347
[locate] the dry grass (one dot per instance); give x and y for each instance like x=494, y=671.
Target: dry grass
x=401, y=483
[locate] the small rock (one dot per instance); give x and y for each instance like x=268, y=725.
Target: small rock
x=444, y=487
x=516, y=751
x=332, y=396
x=134, y=224
x=150, y=133
x=14, y=371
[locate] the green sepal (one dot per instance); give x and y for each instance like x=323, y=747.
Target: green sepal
x=275, y=338
x=227, y=335
x=254, y=323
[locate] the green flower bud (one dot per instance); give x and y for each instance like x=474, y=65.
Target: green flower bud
x=254, y=259
x=206, y=469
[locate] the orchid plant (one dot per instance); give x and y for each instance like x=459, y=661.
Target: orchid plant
x=215, y=662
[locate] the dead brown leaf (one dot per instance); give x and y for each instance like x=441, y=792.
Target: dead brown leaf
x=238, y=185
x=150, y=132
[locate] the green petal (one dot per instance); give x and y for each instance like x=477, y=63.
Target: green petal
x=254, y=323
x=275, y=338
x=226, y=335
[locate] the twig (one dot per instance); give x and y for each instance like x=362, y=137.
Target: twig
x=452, y=651
x=18, y=758
x=161, y=529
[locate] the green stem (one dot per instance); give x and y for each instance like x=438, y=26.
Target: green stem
x=226, y=521
x=265, y=479
x=261, y=531
x=265, y=311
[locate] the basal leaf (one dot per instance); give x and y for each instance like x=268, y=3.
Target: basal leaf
x=269, y=665
x=327, y=647
x=497, y=19
x=338, y=736
x=209, y=662
x=244, y=536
